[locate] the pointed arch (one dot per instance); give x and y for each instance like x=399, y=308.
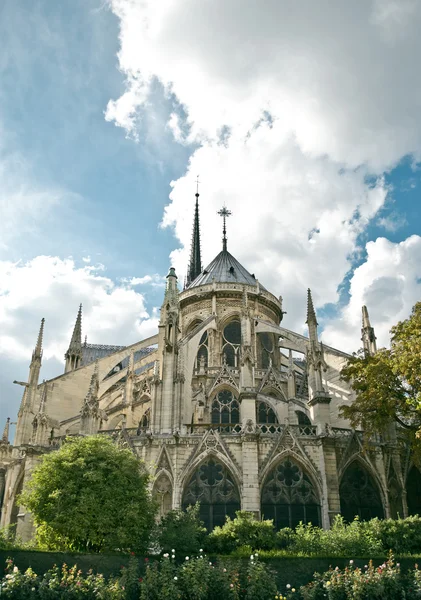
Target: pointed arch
x=290, y=494
x=224, y=407
x=413, y=491
x=213, y=485
x=360, y=493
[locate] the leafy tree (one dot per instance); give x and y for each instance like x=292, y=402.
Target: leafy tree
x=182, y=531
x=91, y=494
x=388, y=384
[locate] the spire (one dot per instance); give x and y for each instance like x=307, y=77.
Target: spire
x=224, y=213
x=73, y=355
x=367, y=334
x=5, y=437
x=311, y=313
x=195, y=264
x=37, y=353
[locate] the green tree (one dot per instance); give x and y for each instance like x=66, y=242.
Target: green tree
x=388, y=384
x=91, y=494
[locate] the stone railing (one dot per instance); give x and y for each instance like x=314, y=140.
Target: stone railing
x=255, y=290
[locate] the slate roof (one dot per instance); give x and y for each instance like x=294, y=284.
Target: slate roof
x=225, y=269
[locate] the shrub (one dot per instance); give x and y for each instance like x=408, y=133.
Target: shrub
x=181, y=531
x=402, y=536
x=244, y=530
x=261, y=582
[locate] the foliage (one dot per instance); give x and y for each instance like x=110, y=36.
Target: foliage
x=181, y=531
x=244, y=530
x=388, y=384
x=370, y=583
x=66, y=583
x=261, y=582
x=90, y=494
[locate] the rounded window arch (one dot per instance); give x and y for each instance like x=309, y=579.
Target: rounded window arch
x=359, y=494
x=289, y=496
x=214, y=487
x=231, y=342
x=225, y=409
x=413, y=491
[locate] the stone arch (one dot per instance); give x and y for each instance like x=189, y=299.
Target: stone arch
x=266, y=415
x=116, y=421
x=274, y=392
x=195, y=322
x=413, y=491
x=231, y=339
x=360, y=492
x=145, y=421
x=162, y=492
x=213, y=485
x=290, y=493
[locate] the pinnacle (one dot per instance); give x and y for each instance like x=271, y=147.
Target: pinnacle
x=5, y=437
x=311, y=313
x=365, y=317
x=76, y=340
x=195, y=263
x=37, y=353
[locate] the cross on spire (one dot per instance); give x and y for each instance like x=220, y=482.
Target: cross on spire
x=224, y=213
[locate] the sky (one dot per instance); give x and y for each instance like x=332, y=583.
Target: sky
x=302, y=117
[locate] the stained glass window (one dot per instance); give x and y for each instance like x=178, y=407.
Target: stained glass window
x=266, y=349
x=289, y=497
x=225, y=408
x=213, y=486
x=231, y=342
x=359, y=494
x=413, y=492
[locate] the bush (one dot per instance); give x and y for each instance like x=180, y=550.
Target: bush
x=181, y=532
x=244, y=530
x=402, y=536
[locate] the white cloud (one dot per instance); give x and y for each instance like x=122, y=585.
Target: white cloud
x=154, y=280
x=392, y=222
x=388, y=283
x=53, y=288
x=292, y=109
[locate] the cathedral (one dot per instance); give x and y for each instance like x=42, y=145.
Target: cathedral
x=224, y=405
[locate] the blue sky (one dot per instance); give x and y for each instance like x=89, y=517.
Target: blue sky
x=108, y=107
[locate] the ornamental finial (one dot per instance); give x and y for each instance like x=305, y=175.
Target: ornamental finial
x=224, y=213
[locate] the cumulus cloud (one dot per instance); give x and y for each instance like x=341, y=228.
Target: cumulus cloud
x=388, y=283
x=294, y=111
x=53, y=288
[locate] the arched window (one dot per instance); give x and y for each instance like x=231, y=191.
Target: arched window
x=202, y=353
x=266, y=349
x=162, y=494
x=225, y=409
x=359, y=494
x=213, y=486
x=265, y=415
x=413, y=492
x=145, y=421
x=231, y=342
x=304, y=423
x=289, y=497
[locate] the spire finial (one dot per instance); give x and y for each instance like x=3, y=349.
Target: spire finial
x=37, y=353
x=368, y=336
x=195, y=264
x=73, y=355
x=224, y=213
x=5, y=437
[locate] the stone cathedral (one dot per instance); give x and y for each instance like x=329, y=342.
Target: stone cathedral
x=225, y=406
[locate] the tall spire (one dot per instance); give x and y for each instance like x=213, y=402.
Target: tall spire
x=224, y=213
x=367, y=334
x=73, y=355
x=195, y=264
x=37, y=353
x=311, y=313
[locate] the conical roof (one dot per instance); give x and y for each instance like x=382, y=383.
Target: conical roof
x=225, y=269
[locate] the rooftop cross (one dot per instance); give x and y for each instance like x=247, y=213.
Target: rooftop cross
x=197, y=186
x=224, y=213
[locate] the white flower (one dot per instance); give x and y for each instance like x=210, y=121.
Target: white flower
x=225, y=570
x=252, y=557
x=365, y=566
x=15, y=569
x=293, y=590
x=175, y=578
x=256, y=554
x=187, y=558
x=166, y=555
x=201, y=550
x=398, y=564
x=288, y=586
x=173, y=551
x=210, y=564
x=172, y=555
